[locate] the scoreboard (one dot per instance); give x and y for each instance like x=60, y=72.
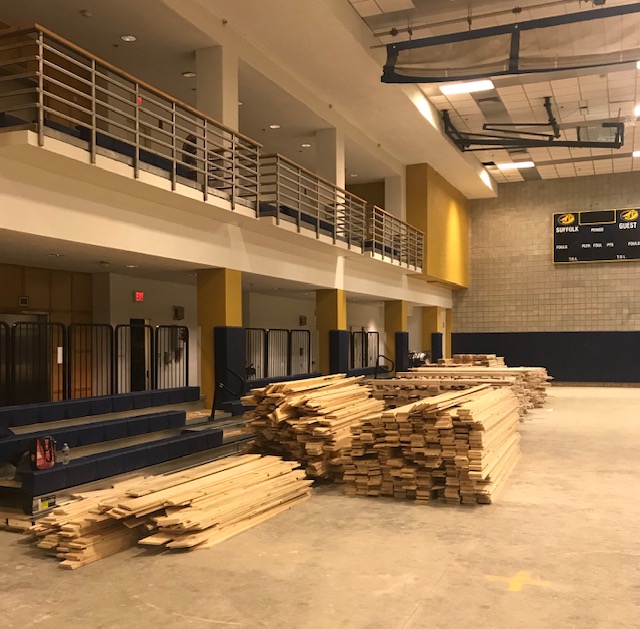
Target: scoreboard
x=596, y=236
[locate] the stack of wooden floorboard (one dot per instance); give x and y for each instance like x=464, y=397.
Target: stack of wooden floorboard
x=198, y=507
x=459, y=446
x=407, y=388
x=310, y=420
x=473, y=360
x=529, y=383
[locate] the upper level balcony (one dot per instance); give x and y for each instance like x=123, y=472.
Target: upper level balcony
x=60, y=92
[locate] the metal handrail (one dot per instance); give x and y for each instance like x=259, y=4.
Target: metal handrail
x=291, y=192
x=394, y=239
x=50, y=81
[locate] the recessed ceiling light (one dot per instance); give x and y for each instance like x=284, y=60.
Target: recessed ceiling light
x=306, y=145
x=189, y=75
x=240, y=103
x=635, y=154
x=132, y=266
x=56, y=255
x=515, y=165
x=466, y=88
x=636, y=111
x=128, y=38
x=274, y=126
x=353, y=175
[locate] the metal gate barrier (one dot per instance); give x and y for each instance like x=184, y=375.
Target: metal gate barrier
x=365, y=349
x=38, y=362
x=134, y=357
x=172, y=356
x=277, y=352
x=90, y=359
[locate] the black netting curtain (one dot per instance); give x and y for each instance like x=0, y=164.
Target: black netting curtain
x=592, y=38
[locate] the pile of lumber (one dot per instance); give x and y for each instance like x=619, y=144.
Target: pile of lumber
x=194, y=508
x=529, y=383
x=310, y=420
x=412, y=388
x=473, y=360
x=458, y=446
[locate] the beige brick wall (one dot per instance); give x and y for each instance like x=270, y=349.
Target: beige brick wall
x=514, y=285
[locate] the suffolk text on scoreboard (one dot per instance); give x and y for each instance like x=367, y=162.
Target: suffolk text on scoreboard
x=596, y=236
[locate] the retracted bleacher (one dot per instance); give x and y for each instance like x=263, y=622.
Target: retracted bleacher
x=101, y=447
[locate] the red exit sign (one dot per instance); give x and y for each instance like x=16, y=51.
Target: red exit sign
x=138, y=295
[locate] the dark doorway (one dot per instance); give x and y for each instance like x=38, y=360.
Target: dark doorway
x=139, y=368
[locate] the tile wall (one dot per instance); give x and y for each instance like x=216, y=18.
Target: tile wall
x=514, y=285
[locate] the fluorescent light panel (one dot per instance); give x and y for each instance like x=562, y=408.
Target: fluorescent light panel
x=466, y=88
x=635, y=154
x=515, y=165
x=636, y=111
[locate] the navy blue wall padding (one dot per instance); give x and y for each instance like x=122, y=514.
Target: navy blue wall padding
x=97, y=432
x=259, y=383
x=134, y=458
x=108, y=466
x=135, y=427
x=436, y=346
x=105, y=464
x=24, y=415
x=192, y=394
x=122, y=402
x=101, y=405
x=339, y=345
x=78, y=408
x=229, y=354
x=81, y=471
x=141, y=399
x=116, y=429
x=364, y=371
x=28, y=414
x=402, y=351
x=177, y=396
x=52, y=412
x=178, y=447
x=158, y=454
x=159, y=397
x=567, y=356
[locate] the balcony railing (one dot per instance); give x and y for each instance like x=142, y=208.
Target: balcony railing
x=393, y=239
x=289, y=192
x=57, y=88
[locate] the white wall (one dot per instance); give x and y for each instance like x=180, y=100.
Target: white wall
x=114, y=304
x=414, y=327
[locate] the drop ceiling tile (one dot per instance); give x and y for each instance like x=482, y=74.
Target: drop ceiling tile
x=388, y=6
x=367, y=8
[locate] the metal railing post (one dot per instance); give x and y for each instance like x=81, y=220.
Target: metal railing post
x=136, y=154
x=40, y=39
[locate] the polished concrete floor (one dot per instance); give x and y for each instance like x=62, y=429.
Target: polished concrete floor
x=560, y=549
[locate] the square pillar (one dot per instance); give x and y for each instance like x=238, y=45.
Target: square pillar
x=219, y=304
x=395, y=320
x=331, y=314
x=330, y=156
x=395, y=198
x=217, y=84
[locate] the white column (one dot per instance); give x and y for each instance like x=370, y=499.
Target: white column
x=395, y=197
x=217, y=84
x=330, y=156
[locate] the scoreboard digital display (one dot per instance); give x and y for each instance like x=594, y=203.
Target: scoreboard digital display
x=596, y=236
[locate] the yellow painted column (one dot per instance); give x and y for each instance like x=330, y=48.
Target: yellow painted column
x=395, y=320
x=448, y=332
x=432, y=321
x=219, y=303
x=331, y=314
